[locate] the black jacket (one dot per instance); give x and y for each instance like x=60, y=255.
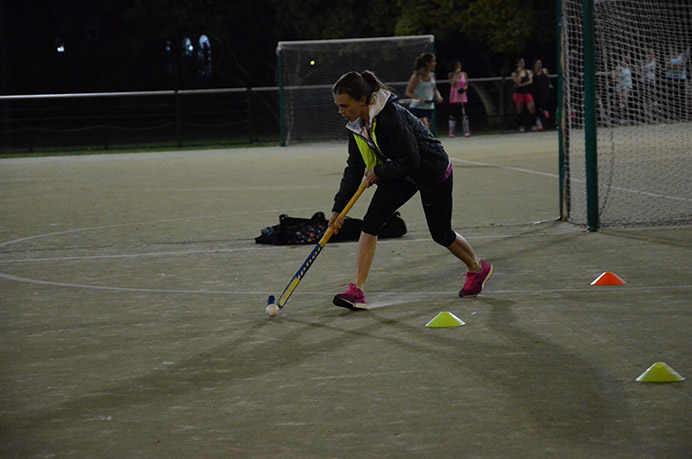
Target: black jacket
x=409, y=151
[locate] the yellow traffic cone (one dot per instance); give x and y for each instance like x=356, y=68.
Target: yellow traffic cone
x=660, y=372
x=444, y=320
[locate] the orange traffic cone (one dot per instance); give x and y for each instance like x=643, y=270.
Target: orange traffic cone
x=608, y=278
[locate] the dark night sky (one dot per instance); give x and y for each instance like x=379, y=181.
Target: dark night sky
x=104, y=52
x=101, y=52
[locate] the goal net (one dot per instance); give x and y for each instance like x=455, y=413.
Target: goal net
x=308, y=69
x=643, y=107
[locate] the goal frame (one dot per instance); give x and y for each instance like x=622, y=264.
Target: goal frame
x=283, y=87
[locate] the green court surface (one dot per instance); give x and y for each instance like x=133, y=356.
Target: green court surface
x=133, y=325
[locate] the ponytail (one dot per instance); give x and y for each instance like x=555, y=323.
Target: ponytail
x=358, y=85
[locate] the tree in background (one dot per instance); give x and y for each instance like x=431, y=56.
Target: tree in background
x=321, y=20
x=492, y=32
x=241, y=35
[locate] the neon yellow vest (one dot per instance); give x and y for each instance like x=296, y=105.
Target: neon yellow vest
x=370, y=156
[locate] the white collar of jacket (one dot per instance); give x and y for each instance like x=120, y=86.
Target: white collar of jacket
x=380, y=100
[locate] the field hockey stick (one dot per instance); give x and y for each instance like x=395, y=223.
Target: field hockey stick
x=298, y=276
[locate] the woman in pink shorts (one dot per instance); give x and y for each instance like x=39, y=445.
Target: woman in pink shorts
x=523, y=79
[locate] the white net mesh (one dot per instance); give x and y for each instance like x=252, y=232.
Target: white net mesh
x=310, y=68
x=644, y=111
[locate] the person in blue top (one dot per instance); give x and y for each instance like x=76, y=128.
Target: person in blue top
x=423, y=89
x=623, y=87
x=389, y=147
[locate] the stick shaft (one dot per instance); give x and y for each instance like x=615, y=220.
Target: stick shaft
x=295, y=280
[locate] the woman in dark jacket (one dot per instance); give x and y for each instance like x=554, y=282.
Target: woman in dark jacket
x=540, y=90
x=392, y=149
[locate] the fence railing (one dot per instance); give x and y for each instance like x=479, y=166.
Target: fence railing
x=188, y=118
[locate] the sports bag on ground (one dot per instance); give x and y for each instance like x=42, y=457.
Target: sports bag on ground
x=296, y=230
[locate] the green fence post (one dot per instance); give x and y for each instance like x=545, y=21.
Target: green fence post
x=282, y=121
x=590, y=121
x=558, y=115
x=178, y=119
x=250, y=129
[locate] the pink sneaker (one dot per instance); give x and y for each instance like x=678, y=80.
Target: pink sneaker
x=353, y=298
x=476, y=281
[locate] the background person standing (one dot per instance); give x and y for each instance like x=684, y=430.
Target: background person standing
x=523, y=79
x=423, y=89
x=458, y=85
x=540, y=90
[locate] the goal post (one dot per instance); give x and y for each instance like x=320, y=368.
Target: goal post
x=625, y=112
x=308, y=69
x=590, y=124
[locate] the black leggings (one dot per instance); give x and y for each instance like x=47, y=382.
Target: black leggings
x=437, y=205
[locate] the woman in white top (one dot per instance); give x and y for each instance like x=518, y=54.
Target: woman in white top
x=423, y=90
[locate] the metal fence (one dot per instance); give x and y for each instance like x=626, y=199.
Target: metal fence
x=189, y=118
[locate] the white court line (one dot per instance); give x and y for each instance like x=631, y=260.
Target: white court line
x=546, y=174
x=518, y=169
x=378, y=293
x=120, y=225
x=121, y=289
x=131, y=255
x=239, y=249
x=241, y=188
x=425, y=239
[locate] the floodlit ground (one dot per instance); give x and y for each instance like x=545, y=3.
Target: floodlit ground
x=132, y=316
